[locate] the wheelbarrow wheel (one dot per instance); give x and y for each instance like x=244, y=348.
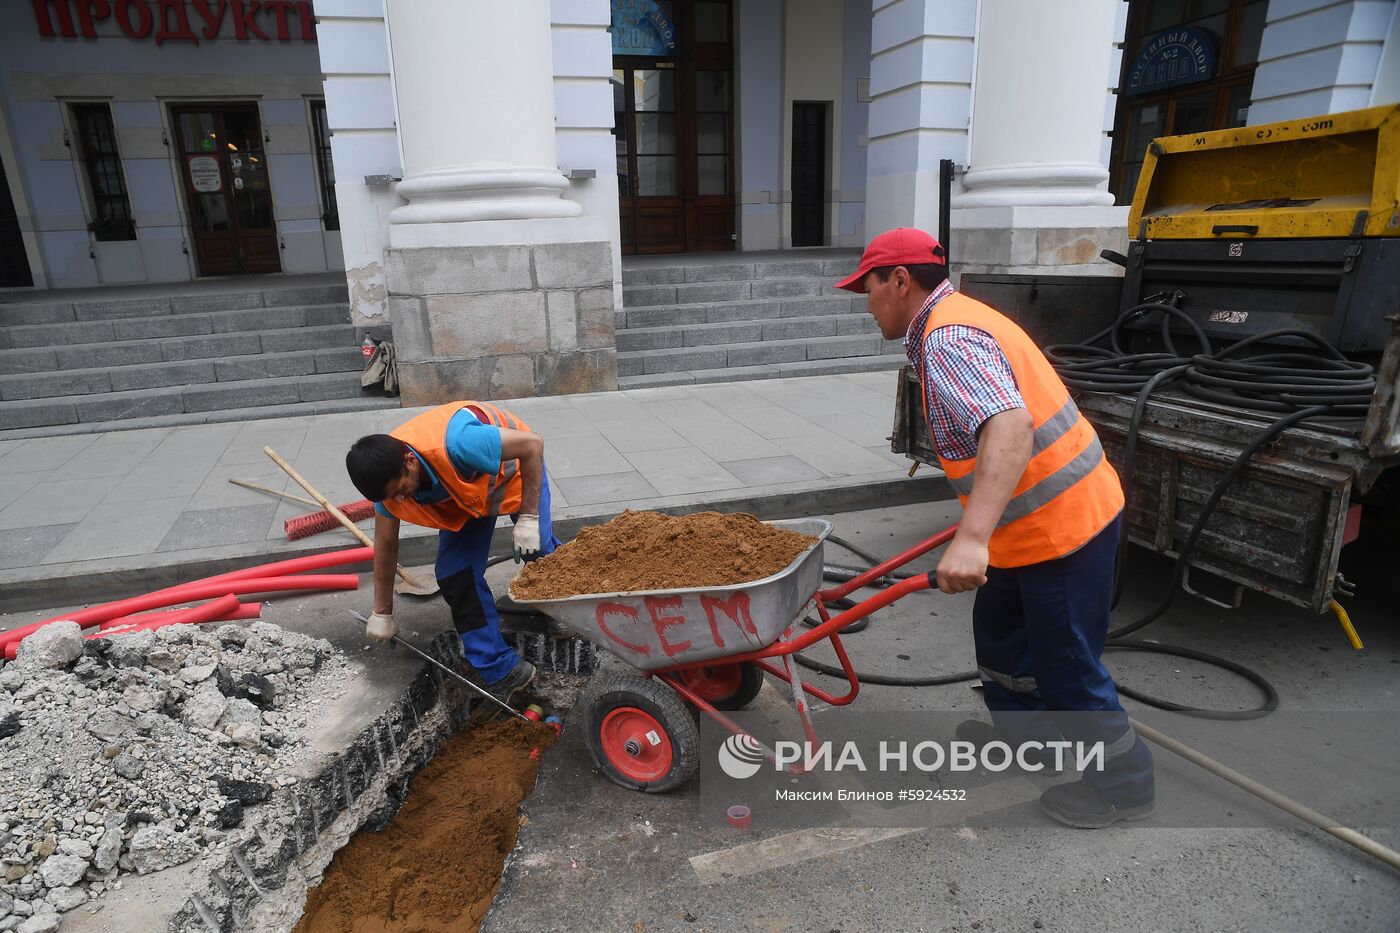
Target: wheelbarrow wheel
x=641, y=734
x=725, y=686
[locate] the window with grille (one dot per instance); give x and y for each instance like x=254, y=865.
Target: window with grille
x=325, y=168
x=97, y=147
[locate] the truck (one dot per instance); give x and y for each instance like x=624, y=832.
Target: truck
x=1252, y=230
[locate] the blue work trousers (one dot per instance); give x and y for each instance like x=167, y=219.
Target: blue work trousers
x=461, y=574
x=1040, y=632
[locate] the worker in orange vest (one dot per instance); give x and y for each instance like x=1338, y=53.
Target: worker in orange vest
x=1041, y=521
x=456, y=468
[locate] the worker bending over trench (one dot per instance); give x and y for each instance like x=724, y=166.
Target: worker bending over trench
x=456, y=468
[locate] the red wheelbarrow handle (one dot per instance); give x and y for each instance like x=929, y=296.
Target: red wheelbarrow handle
x=894, y=563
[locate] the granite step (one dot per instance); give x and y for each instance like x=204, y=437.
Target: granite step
x=751, y=353
x=749, y=309
x=709, y=334
x=95, y=355
x=681, y=272
x=31, y=312
x=183, y=324
x=366, y=402
x=735, y=290
x=183, y=399
x=825, y=367
x=24, y=386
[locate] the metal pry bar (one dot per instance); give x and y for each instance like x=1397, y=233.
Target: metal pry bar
x=449, y=671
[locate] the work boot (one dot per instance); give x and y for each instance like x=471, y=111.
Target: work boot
x=520, y=677
x=981, y=733
x=1077, y=804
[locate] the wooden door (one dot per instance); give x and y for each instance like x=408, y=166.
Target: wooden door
x=227, y=188
x=673, y=125
x=646, y=127
x=708, y=143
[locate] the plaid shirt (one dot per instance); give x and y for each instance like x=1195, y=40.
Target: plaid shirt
x=965, y=377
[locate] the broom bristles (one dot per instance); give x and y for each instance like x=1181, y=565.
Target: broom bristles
x=304, y=526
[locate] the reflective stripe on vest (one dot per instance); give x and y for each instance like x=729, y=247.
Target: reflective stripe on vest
x=1045, y=435
x=467, y=498
x=1068, y=492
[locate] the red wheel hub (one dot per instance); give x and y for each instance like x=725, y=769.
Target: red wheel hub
x=636, y=744
x=715, y=684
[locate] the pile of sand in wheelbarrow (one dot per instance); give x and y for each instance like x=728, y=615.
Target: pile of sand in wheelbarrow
x=651, y=551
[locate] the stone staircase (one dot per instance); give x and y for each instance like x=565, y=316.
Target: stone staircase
x=696, y=319
x=106, y=363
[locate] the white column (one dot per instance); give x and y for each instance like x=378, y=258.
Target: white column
x=920, y=88
x=1038, y=104
x=473, y=82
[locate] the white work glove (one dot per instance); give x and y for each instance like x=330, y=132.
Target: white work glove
x=527, y=536
x=381, y=628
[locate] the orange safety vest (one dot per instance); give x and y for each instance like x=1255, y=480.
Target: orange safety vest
x=467, y=498
x=1069, y=491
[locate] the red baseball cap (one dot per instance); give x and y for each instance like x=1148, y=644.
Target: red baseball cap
x=902, y=246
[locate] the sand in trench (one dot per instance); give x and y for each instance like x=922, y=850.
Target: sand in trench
x=435, y=868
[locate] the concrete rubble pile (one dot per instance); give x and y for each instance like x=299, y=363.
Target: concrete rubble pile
x=139, y=752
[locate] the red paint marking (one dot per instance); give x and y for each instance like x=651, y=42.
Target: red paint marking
x=655, y=606
x=601, y=614
x=736, y=609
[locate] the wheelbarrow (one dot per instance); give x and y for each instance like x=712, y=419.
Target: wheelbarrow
x=708, y=649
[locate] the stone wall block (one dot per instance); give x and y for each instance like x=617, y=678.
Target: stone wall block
x=410, y=327
x=573, y=265
x=435, y=382
x=1075, y=246
x=572, y=373
x=513, y=376
x=455, y=271
x=563, y=321
x=597, y=319
x=487, y=325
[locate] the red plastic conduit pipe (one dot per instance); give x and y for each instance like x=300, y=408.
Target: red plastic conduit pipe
x=243, y=611
x=277, y=569
x=285, y=567
x=203, y=590
x=205, y=613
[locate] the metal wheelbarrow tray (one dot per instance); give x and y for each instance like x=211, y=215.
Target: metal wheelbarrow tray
x=659, y=629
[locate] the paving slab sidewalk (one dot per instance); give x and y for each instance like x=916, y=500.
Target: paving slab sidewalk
x=103, y=515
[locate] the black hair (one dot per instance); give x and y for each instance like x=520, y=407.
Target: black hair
x=374, y=462
x=928, y=275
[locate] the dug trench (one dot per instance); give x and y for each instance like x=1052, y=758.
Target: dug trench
x=423, y=800
x=436, y=866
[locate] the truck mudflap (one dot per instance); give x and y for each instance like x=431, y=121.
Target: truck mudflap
x=1278, y=530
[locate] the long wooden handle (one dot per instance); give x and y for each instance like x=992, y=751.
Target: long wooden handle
x=329, y=507
x=1303, y=812
x=276, y=492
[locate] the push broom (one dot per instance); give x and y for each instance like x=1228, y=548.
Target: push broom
x=304, y=526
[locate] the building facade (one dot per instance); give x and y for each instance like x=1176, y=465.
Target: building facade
x=163, y=142
x=480, y=171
